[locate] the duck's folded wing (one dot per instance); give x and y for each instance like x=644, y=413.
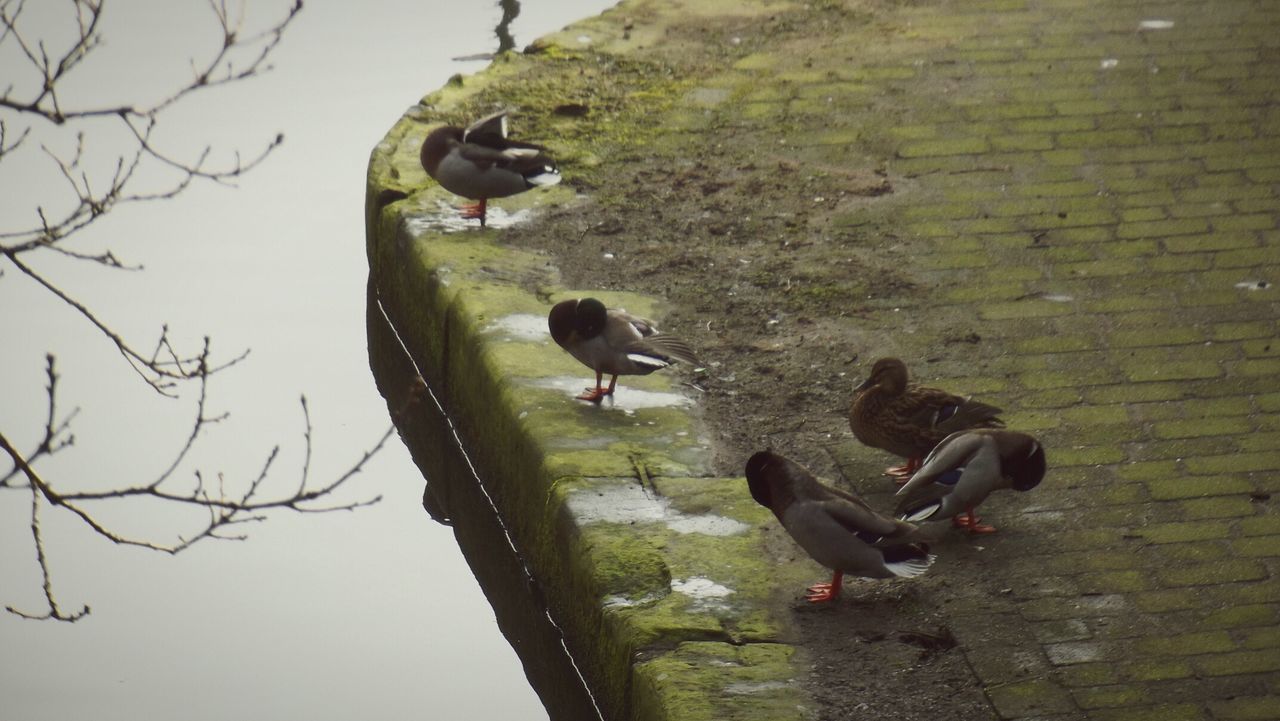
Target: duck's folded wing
x=953, y=452
x=920, y=405
x=971, y=414
x=666, y=347
x=860, y=520
x=502, y=156
x=922, y=504
x=487, y=129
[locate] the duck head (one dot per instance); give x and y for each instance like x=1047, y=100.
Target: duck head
x=581, y=317
x=888, y=373
x=437, y=145
x=1022, y=461
x=772, y=479
x=759, y=467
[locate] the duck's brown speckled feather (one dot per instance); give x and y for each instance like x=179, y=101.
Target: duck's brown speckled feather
x=906, y=419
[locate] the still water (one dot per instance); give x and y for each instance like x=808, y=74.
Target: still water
x=372, y=614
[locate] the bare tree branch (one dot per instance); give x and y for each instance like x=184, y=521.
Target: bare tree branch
x=39, y=102
x=224, y=509
x=47, y=104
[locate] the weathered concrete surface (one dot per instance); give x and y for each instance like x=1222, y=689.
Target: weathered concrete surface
x=650, y=565
x=650, y=568
x=1092, y=188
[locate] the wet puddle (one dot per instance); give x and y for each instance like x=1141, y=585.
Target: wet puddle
x=627, y=400
x=632, y=503
x=520, y=327
x=446, y=218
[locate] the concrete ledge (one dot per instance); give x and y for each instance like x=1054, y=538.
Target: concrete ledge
x=654, y=570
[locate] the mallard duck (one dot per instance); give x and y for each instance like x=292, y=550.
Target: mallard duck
x=479, y=163
x=909, y=420
x=964, y=469
x=838, y=529
x=612, y=341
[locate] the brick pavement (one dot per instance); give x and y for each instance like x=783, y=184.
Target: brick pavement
x=1097, y=201
x=1091, y=192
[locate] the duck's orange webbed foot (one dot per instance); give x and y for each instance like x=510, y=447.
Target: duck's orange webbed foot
x=475, y=211
x=823, y=592
x=903, y=473
x=970, y=522
x=595, y=395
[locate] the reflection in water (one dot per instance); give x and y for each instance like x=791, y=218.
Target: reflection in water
x=510, y=10
x=455, y=496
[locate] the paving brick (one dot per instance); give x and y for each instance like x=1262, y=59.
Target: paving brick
x=1163, y=669
x=1183, y=553
x=1258, y=546
x=1029, y=698
x=1111, y=696
x=1238, y=462
x=1238, y=662
x=1182, y=532
x=1173, y=370
x=1256, y=708
x=1166, y=712
x=1240, y=616
x=1170, y=488
x=1161, y=228
x=1260, y=525
x=932, y=148
x=1220, y=507
x=1213, y=573
x=1229, y=425
x=1259, y=638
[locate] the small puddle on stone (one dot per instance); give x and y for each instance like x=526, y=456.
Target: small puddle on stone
x=631, y=503
x=624, y=602
x=746, y=689
x=448, y=219
x=520, y=327
x=623, y=398
x=706, y=594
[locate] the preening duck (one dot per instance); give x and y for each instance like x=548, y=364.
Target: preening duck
x=479, y=162
x=964, y=469
x=909, y=420
x=838, y=529
x=613, y=341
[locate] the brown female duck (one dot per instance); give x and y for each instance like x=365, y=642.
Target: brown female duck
x=838, y=529
x=909, y=420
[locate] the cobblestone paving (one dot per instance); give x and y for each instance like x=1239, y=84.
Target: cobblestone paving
x=1095, y=188
x=1085, y=198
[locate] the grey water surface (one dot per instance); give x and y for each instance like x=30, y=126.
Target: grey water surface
x=371, y=614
